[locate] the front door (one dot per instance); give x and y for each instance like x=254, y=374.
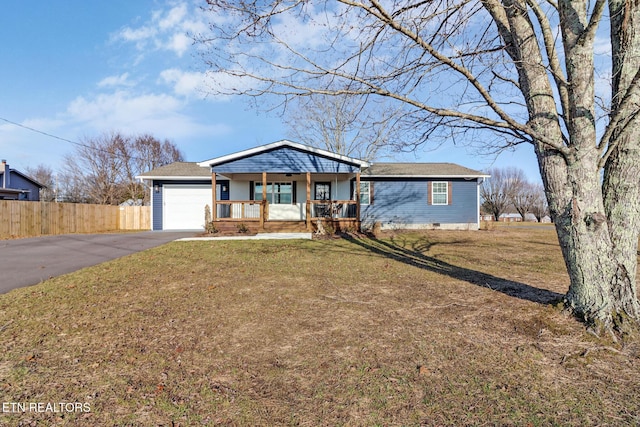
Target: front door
x=222, y=193
x=222, y=190
x=322, y=191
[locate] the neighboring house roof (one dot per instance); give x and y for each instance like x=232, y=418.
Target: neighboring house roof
x=281, y=144
x=178, y=170
x=421, y=170
x=28, y=178
x=15, y=185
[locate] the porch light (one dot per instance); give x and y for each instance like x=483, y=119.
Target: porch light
x=156, y=188
x=224, y=188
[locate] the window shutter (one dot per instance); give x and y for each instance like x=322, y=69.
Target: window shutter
x=294, y=199
x=429, y=193
x=449, y=192
x=252, y=189
x=371, y=192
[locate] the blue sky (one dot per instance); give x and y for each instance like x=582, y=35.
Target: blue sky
x=80, y=68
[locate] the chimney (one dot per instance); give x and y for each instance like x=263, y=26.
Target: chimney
x=5, y=174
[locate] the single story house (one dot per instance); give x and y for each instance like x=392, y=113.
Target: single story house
x=287, y=186
x=14, y=185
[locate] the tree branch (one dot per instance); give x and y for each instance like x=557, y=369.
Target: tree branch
x=507, y=120
x=620, y=120
x=552, y=54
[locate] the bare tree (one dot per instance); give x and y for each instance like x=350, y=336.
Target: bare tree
x=45, y=176
x=72, y=186
x=100, y=164
x=345, y=125
x=144, y=153
x=103, y=169
x=539, y=207
x=490, y=71
x=499, y=191
x=523, y=198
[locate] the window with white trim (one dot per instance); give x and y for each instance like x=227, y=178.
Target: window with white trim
x=365, y=192
x=439, y=193
x=279, y=193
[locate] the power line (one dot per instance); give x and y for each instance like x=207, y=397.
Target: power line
x=70, y=141
x=44, y=133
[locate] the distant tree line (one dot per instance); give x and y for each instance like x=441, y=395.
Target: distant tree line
x=102, y=170
x=508, y=188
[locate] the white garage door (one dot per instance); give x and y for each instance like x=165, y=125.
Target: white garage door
x=184, y=206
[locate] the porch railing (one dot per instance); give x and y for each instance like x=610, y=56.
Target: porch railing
x=334, y=209
x=241, y=210
x=250, y=210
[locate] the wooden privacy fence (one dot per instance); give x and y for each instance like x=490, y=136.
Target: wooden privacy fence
x=29, y=219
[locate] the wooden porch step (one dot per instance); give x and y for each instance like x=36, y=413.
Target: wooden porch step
x=285, y=227
x=253, y=227
x=230, y=227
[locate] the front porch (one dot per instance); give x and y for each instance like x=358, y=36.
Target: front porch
x=274, y=205
x=232, y=215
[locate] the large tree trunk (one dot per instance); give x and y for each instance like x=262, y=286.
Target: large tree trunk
x=599, y=254
x=597, y=241
x=621, y=184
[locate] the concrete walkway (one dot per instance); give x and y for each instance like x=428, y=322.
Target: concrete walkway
x=259, y=236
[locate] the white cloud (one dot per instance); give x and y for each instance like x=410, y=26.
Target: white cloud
x=166, y=30
x=159, y=114
x=303, y=31
x=173, y=18
x=179, y=43
x=113, y=81
x=136, y=35
x=43, y=124
x=184, y=83
x=122, y=110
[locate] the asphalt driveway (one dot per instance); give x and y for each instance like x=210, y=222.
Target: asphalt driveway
x=25, y=262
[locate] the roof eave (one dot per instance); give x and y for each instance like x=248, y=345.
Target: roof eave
x=173, y=178
x=426, y=176
x=11, y=190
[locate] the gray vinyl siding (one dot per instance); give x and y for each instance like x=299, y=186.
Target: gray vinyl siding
x=405, y=202
x=18, y=182
x=156, y=205
x=157, y=202
x=285, y=160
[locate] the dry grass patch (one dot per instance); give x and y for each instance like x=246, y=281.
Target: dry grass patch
x=433, y=328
